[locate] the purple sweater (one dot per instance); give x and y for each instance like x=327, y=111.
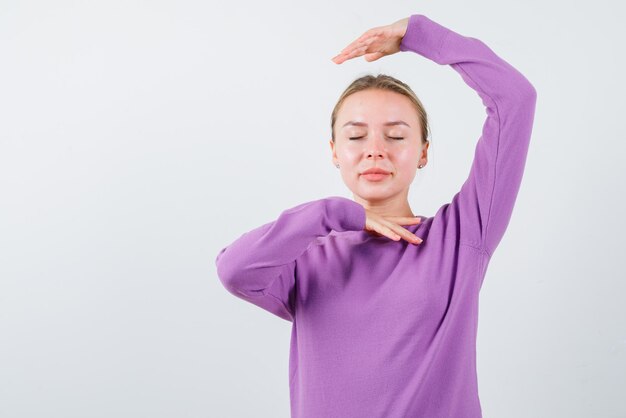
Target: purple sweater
x=384, y=328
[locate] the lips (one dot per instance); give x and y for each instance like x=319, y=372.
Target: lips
x=376, y=170
x=375, y=174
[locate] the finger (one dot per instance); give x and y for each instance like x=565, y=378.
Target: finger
x=368, y=36
x=360, y=41
x=373, y=56
x=344, y=56
x=354, y=52
x=389, y=230
x=404, y=233
x=366, y=39
x=405, y=220
x=408, y=236
x=389, y=233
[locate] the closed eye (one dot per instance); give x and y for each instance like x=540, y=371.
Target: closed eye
x=392, y=137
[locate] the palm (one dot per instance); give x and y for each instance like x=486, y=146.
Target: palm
x=375, y=43
x=391, y=226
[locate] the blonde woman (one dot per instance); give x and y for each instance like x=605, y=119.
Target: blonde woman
x=384, y=304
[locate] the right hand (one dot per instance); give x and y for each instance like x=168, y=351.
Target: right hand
x=390, y=226
x=375, y=43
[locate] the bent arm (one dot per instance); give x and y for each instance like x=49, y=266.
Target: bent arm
x=479, y=213
x=259, y=266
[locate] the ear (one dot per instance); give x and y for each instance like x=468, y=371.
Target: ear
x=424, y=155
x=333, y=152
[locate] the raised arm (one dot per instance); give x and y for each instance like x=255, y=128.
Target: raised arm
x=480, y=212
x=259, y=266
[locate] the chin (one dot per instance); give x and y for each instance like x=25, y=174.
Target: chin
x=375, y=195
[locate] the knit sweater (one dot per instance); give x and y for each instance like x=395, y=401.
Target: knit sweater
x=384, y=328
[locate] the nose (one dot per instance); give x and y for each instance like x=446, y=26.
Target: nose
x=376, y=148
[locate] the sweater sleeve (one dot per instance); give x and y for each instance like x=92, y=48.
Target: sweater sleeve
x=259, y=266
x=480, y=212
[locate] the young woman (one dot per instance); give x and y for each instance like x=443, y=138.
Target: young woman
x=384, y=322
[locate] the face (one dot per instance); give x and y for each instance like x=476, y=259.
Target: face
x=378, y=128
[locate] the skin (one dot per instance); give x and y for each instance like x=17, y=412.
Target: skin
x=396, y=148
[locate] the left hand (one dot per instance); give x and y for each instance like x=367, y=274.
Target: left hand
x=375, y=43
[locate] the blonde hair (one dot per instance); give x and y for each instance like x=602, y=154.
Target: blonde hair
x=383, y=82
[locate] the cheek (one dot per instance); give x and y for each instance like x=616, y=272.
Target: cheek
x=350, y=152
x=406, y=166
x=406, y=159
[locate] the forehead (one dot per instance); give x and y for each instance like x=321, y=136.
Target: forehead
x=377, y=107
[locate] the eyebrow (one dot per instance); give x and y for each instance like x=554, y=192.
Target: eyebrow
x=392, y=123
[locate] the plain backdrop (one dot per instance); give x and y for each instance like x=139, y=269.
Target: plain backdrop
x=138, y=138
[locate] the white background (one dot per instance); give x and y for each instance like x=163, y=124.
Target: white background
x=137, y=139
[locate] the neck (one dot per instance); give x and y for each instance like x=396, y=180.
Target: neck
x=395, y=206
